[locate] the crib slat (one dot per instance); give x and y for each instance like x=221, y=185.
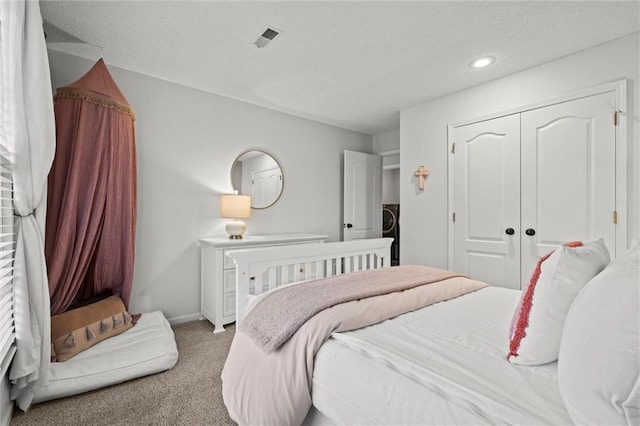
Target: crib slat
x=258, y=283
x=319, y=269
x=296, y=271
x=273, y=280
x=308, y=271
x=285, y=274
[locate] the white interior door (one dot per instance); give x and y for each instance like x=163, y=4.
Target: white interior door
x=265, y=186
x=568, y=176
x=526, y=183
x=487, y=201
x=362, y=217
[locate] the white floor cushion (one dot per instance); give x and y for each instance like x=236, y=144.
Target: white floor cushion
x=147, y=348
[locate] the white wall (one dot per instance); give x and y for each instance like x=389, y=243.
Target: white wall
x=387, y=141
x=187, y=141
x=391, y=186
x=423, y=136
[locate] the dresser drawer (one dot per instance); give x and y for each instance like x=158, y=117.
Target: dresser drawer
x=228, y=304
x=228, y=262
x=229, y=280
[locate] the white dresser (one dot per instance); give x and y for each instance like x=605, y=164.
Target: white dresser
x=218, y=274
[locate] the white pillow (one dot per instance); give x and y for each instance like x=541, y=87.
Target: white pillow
x=537, y=323
x=599, y=362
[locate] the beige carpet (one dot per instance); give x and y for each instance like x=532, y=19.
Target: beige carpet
x=189, y=394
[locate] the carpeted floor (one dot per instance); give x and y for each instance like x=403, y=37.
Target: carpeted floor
x=189, y=394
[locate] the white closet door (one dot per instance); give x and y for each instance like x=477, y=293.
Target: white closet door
x=362, y=196
x=568, y=176
x=487, y=201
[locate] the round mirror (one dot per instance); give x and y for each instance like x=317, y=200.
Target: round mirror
x=258, y=174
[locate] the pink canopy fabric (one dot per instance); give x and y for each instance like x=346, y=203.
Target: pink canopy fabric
x=91, y=205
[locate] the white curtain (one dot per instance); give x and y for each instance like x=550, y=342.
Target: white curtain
x=27, y=135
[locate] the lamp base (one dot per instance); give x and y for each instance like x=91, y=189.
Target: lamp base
x=235, y=229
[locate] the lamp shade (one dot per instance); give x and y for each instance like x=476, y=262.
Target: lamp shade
x=235, y=206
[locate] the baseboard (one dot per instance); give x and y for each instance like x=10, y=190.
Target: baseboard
x=184, y=318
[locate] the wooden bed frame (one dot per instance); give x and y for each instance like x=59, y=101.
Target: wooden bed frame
x=262, y=269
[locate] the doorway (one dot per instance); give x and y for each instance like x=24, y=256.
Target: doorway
x=362, y=214
x=391, y=201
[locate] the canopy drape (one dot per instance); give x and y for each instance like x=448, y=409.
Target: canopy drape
x=91, y=205
x=27, y=138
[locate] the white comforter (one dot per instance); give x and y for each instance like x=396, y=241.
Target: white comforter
x=442, y=364
x=274, y=388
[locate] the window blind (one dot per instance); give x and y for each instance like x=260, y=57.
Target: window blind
x=7, y=250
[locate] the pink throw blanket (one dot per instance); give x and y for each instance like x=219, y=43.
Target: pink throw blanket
x=274, y=388
x=278, y=315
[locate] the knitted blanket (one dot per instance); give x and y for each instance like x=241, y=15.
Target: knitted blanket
x=278, y=315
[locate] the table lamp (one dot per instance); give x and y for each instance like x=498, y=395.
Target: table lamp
x=236, y=207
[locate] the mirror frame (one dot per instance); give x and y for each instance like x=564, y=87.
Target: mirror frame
x=262, y=151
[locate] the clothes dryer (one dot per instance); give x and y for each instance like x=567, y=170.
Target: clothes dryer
x=391, y=229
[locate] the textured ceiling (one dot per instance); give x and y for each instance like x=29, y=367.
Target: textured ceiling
x=349, y=64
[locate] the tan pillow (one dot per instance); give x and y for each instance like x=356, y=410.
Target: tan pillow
x=78, y=329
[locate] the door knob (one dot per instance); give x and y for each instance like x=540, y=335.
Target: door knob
x=348, y=225
x=530, y=232
x=509, y=231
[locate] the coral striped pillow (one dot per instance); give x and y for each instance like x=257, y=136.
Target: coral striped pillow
x=537, y=323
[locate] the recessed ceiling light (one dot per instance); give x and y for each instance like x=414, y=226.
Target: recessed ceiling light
x=482, y=62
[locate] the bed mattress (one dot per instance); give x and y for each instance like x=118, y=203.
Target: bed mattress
x=442, y=364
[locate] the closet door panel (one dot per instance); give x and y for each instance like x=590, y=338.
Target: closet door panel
x=568, y=175
x=486, y=200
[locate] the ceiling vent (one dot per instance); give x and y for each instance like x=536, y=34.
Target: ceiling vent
x=267, y=36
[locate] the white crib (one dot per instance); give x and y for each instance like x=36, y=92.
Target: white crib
x=262, y=269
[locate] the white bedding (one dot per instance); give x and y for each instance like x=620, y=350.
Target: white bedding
x=147, y=348
x=442, y=364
